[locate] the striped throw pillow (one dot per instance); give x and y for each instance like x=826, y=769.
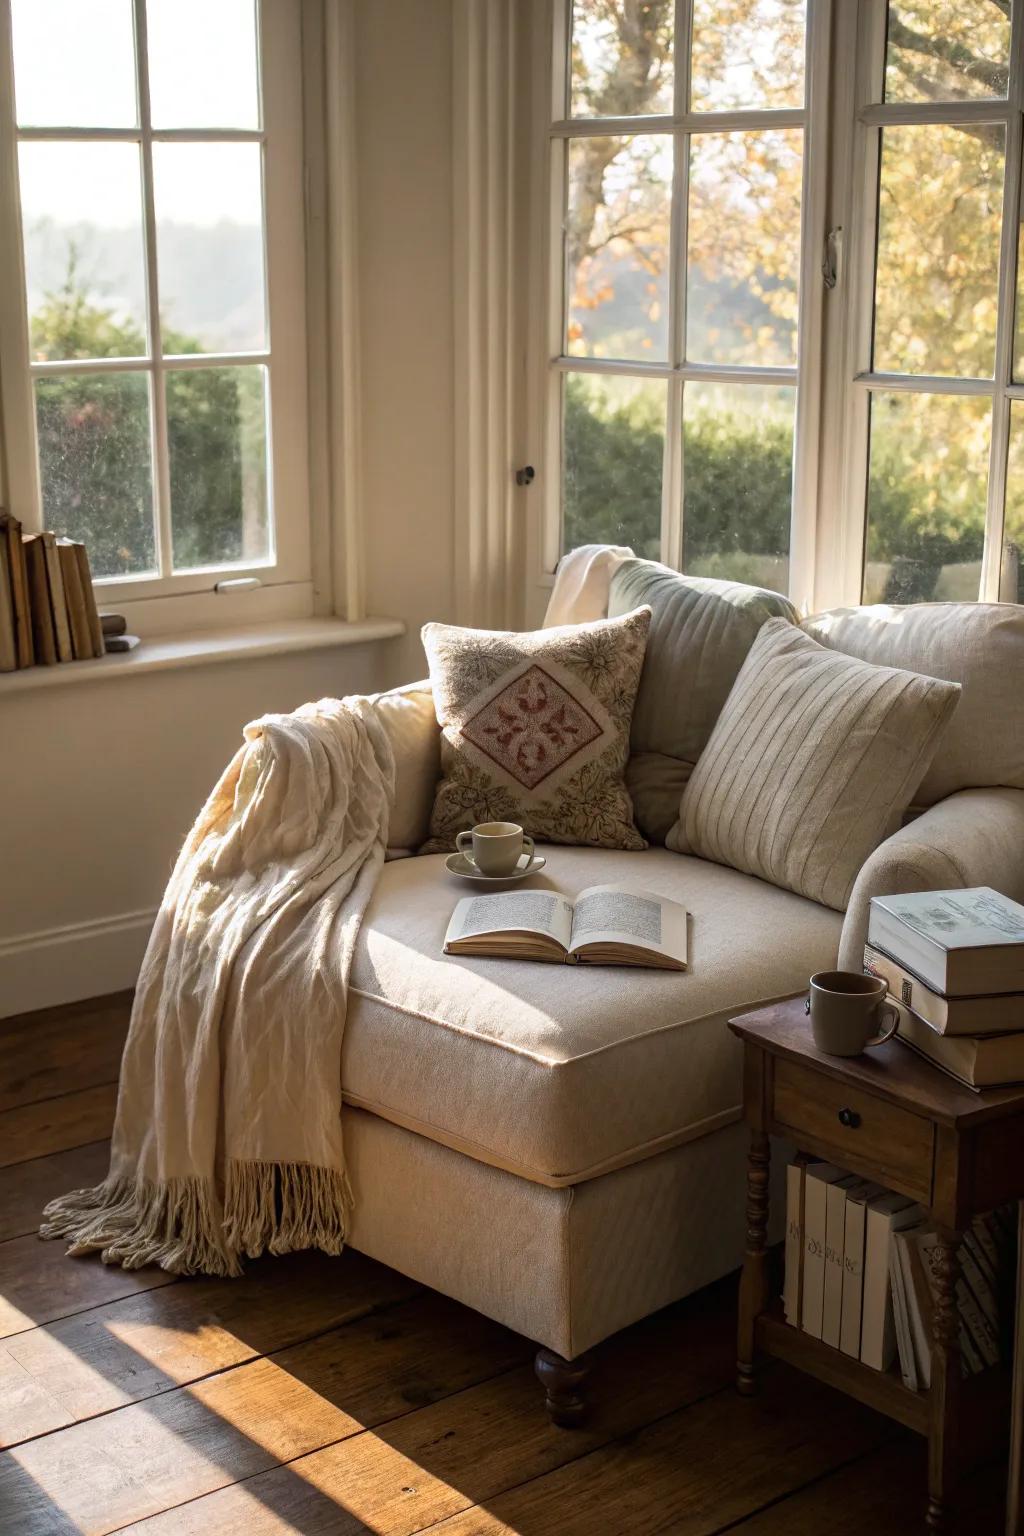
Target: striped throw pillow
x=811, y=764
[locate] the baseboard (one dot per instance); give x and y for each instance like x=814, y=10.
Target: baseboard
x=80, y=960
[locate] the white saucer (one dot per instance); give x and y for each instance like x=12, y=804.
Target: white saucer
x=458, y=864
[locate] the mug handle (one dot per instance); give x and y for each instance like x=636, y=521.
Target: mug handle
x=528, y=847
x=464, y=843
x=886, y=1034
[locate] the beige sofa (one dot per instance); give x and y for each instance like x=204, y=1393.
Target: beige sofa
x=562, y=1148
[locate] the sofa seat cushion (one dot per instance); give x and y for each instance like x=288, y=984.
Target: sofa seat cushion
x=555, y=1072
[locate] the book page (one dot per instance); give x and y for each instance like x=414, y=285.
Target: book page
x=610, y=914
x=544, y=912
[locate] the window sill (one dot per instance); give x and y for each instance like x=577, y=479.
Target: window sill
x=166, y=652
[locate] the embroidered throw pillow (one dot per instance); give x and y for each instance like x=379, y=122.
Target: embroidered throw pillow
x=535, y=729
x=811, y=763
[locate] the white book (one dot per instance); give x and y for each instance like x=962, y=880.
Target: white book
x=855, y=1217
x=885, y=1215
x=816, y=1181
x=835, y=1235
x=958, y=942
x=794, y=1240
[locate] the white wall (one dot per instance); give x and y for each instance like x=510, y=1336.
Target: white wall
x=101, y=781
x=404, y=117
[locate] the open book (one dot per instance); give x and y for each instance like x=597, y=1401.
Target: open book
x=607, y=925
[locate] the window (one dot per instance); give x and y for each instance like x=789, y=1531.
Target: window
x=784, y=321
x=153, y=337
x=678, y=152
x=934, y=492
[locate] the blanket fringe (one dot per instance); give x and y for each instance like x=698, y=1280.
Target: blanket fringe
x=137, y=1222
x=284, y=1207
x=275, y=1207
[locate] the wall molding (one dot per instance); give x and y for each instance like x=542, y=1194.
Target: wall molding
x=485, y=64
x=71, y=962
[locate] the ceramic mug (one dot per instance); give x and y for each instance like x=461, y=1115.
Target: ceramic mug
x=847, y=1009
x=495, y=847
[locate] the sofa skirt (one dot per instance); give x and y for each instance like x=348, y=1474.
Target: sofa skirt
x=565, y=1267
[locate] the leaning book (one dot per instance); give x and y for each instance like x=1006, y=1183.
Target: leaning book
x=606, y=925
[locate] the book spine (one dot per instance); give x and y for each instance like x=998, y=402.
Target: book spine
x=813, y=1302
x=19, y=592
x=835, y=1226
x=91, y=611
x=794, y=1241
x=901, y=1316
x=81, y=640
x=58, y=601
x=908, y=989
x=977, y=1324
x=43, y=638
x=853, y=1277
x=8, y=641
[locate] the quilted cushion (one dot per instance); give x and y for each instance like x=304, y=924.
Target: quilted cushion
x=558, y=1072
x=701, y=631
x=978, y=645
x=811, y=764
x=535, y=729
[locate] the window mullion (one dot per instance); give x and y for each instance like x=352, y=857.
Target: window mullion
x=160, y=459
x=672, y=459
x=995, y=510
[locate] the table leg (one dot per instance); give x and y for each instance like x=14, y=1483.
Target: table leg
x=945, y=1379
x=754, y=1281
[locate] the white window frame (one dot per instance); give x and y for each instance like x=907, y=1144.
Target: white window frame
x=552, y=19
x=859, y=117
x=187, y=599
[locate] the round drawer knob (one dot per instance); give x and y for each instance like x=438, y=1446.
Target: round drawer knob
x=849, y=1118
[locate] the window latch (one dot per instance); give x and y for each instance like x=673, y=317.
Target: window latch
x=830, y=256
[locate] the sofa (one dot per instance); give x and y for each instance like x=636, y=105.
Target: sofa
x=562, y=1148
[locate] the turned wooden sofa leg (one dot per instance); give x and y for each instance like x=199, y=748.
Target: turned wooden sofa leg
x=564, y=1383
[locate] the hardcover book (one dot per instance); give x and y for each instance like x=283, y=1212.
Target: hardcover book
x=960, y=943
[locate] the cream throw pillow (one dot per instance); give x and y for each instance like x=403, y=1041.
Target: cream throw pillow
x=535, y=729
x=811, y=764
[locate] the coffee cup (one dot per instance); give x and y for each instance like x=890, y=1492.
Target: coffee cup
x=848, y=1012
x=495, y=847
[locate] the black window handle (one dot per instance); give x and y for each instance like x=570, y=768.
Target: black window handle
x=849, y=1118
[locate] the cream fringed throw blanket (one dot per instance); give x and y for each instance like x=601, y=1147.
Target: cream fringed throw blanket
x=228, y=1132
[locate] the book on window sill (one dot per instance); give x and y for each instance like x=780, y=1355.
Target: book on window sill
x=606, y=925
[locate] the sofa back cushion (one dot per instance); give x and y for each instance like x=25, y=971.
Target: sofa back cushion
x=811, y=763
x=701, y=631
x=978, y=645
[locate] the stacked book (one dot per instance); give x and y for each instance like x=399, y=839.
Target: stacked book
x=47, y=608
x=859, y=1274
x=953, y=962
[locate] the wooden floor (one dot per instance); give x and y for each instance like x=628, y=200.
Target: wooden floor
x=335, y=1396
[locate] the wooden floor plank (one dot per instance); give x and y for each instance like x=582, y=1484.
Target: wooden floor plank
x=451, y=1455
x=695, y=1473
x=26, y=1187
x=61, y=1050
x=39, y=1283
x=141, y=1459
x=55, y=1125
x=133, y=1349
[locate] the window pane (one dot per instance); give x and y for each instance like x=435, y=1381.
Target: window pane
x=202, y=64
x=939, y=220
x=1018, y=346
x=74, y=63
x=926, y=498
x=617, y=238
x=747, y=53
x=209, y=232
x=217, y=440
x=94, y=460
x=743, y=243
x=738, y=482
x=84, y=263
x=1011, y=585
x=614, y=437
x=947, y=50
x=621, y=57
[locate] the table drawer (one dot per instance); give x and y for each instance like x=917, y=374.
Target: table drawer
x=857, y=1130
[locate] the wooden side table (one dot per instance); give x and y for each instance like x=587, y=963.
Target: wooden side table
x=891, y=1117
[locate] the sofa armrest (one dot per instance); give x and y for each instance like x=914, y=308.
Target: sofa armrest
x=975, y=837
x=408, y=716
